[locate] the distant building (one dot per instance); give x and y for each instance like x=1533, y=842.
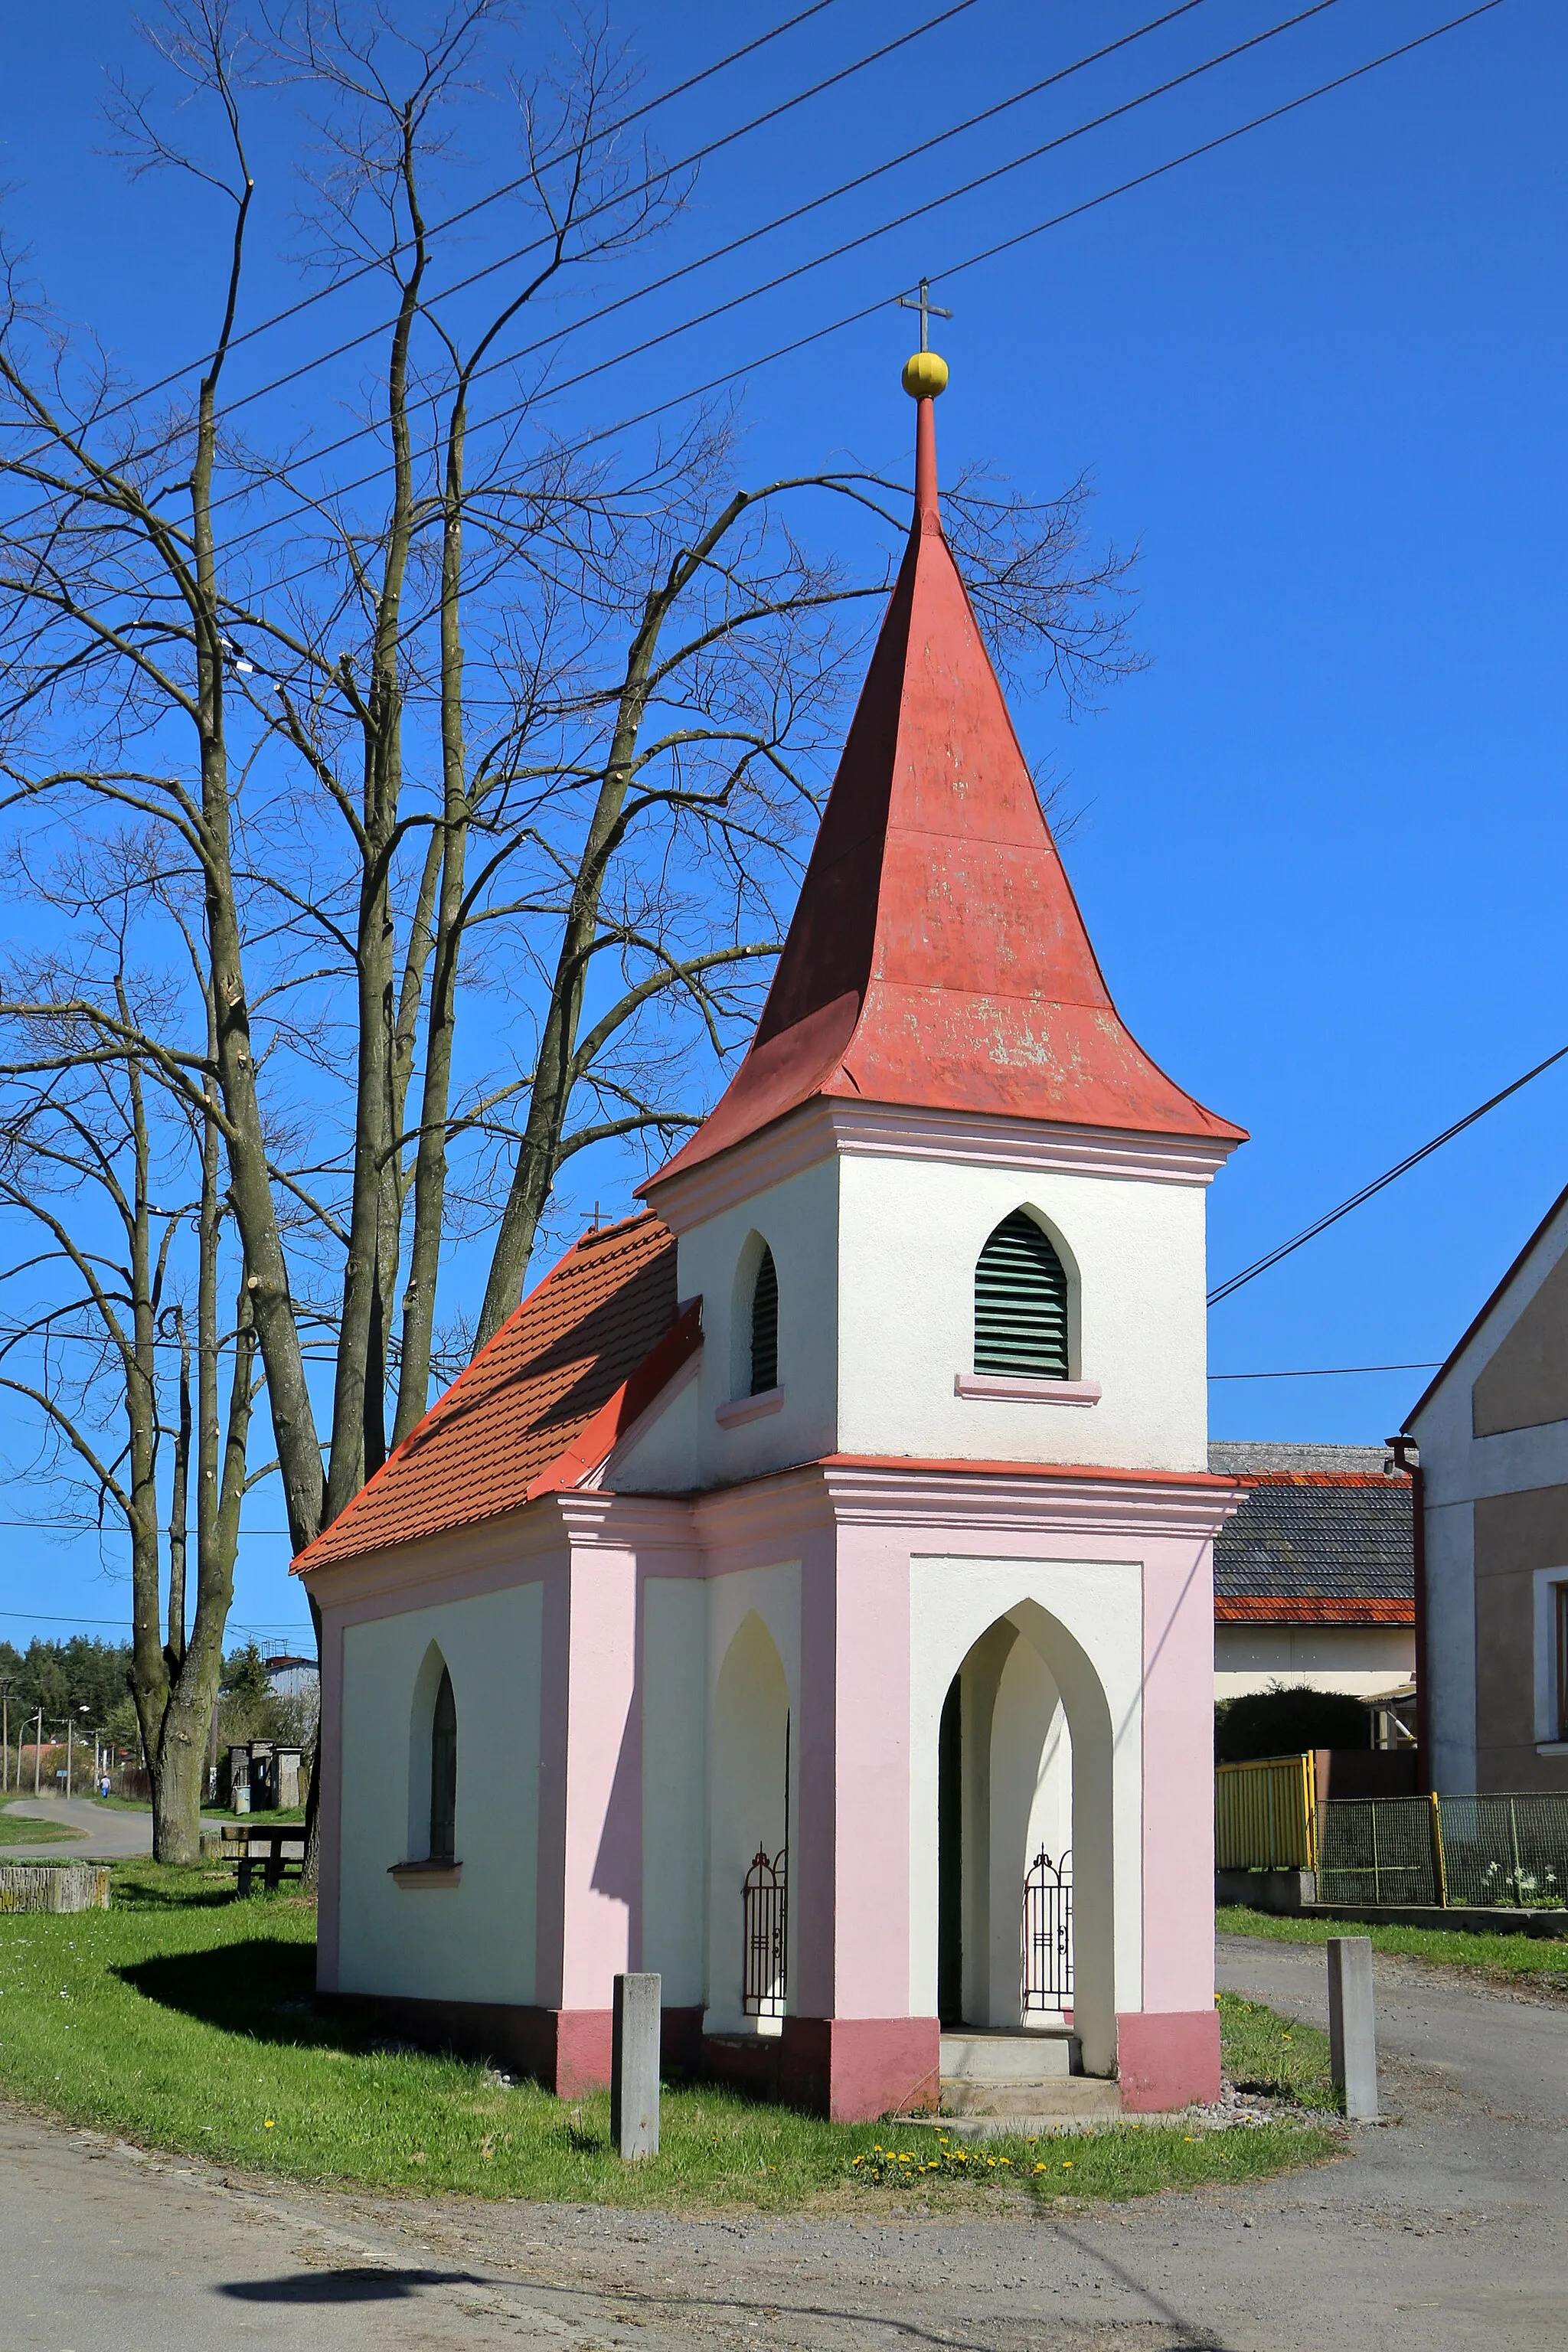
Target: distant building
x=1492, y=1430
x=293, y=1677
x=1314, y=1576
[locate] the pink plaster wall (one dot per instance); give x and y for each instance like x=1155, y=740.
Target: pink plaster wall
x=604, y=1777
x=871, y=1973
x=329, y=1763
x=1178, y=1776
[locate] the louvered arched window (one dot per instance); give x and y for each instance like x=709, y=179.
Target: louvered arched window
x=1021, y=1304
x=444, y=1773
x=765, y=1326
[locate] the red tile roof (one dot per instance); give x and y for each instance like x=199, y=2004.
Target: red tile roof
x=588, y=1351
x=937, y=957
x=1310, y=1609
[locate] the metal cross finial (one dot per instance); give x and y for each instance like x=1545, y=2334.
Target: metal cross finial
x=926, y=309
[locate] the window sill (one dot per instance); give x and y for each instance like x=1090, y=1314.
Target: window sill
x=427, y=1873
x=998, y=1384
x=749, y=1407
x=1552, y=1746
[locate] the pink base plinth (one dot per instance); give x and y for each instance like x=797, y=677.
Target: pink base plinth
x=850, y=2069
x=854, y=2069
x=1167, y=2059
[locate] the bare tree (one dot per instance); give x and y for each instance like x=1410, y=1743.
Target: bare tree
x=110, y=1161
x=484, y=754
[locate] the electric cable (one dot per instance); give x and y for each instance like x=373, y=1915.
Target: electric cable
x=494, y=196
x=1412, y=1160
x=816, y=262
x=857, y=316
x=729, y=138
x=668, y=170
x=1327, y=1371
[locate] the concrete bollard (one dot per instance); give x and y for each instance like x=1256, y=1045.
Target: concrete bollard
x=634, y=2067
x=1352, y=2032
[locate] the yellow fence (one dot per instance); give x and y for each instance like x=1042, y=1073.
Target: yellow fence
x=1266, y=1814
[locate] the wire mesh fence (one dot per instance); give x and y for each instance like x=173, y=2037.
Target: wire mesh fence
x=1447, y=1852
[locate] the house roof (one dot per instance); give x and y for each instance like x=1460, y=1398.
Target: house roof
x=1517, y=1269
x=937, y=959
x=539, y=1406
x=1314, y=1545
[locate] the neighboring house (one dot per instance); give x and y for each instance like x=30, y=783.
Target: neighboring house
x=1314, y=1577
x=816, y=1557
x=1493, y=1431
x=293, y=1678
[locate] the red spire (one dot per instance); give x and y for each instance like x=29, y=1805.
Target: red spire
x=937, y=959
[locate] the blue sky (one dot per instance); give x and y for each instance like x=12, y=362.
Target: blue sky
x=1317, y=376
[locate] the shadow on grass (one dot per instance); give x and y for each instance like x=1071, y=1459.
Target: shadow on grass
x=263, y=1989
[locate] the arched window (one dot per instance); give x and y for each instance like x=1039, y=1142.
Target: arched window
x=1021, y=1304
x=444, y=1773
x=765, y=1326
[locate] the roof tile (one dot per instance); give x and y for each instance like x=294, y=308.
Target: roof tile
x=576, y=1339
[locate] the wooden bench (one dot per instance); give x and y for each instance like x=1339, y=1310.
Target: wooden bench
x=278, y=1853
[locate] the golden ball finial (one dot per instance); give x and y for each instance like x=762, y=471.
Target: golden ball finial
x=925, y=375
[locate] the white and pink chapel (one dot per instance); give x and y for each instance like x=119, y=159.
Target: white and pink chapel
x=808, y=1593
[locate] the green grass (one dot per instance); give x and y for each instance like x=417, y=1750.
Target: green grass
x=1271, y=2054
x=1523, y=1955
x=17, y=1829
x=184, y=2019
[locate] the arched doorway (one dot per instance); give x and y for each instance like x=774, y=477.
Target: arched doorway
x=749, y=1940
x=1025, y=1770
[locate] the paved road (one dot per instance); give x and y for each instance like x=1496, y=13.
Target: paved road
x=1447, y=2230
x=108, y=1835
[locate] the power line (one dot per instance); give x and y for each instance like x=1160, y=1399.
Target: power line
x=1320, y=1225
x=639, y=351
x=467, y=211
x=682, y=163
x=750, y=236
x=729, y=138
x=953, y=269
x=1326, y=1371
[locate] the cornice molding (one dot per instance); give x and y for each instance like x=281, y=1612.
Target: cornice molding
x=829, y=1128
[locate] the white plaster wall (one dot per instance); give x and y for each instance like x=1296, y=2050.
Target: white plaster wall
x=675, y=1785
x=773, y=1595
x=798, y=1219
x=1357, y=1658
x=1100, y=1604
x=1030, y=1807
x=661, y=1455
x=474, y=1941
x=910, y=1233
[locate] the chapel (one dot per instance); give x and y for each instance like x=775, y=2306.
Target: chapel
x=808, y=1593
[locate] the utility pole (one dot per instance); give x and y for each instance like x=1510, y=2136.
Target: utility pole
x=38, y=1758
x=5, y=1734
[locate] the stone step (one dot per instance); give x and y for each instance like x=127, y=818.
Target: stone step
x=982, y=2058
x=1027, y=2107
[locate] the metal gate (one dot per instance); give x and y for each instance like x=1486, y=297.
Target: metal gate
x=766, y=1933
x=1047, y=1933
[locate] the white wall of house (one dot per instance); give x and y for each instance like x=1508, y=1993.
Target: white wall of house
x=1356, y=1658
x=474, y=1941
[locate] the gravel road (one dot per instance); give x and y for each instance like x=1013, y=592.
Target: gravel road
x=108, y=1834
x=1446, y=2229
